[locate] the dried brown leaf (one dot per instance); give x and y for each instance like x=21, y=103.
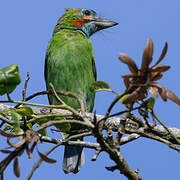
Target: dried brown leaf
x=45, y=158
x=170, y=95
x=5, y=151
x=153, y=91
x=133, y=96
x=130, y=62
x=28, y=151
x=7, y=135
x=164, y=51
x=16, y=145
x=16, y=167
x=31, y=136
x=33, y=146
x=125, y=76
x=160, y=68
x=161, y=90
x=126, y=82
x=156, y=76
x=147, y=55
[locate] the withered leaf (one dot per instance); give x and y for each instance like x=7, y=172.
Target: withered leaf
x=45, y=158
x=16, y=167
x=156, y=76
x=126, y=82
x=129, y=76
x=147, y=55
x=160, y=68
x=164, y=51
x=32, y=147
x=5, y=151
x=16, y=145
x=161, y=90
x=133, y=96
x=29, y=152
x=170, y=95
x=153, y=91
x=130, y=62
x=7, y=135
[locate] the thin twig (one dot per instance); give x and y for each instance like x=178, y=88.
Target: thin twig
x=25, y=87
x=62, y=102
x=6, y=120
x=141, y=132
x=117, y=98
x=165, y=127
x=96, y=154
x=55, y=94
x=50, y=123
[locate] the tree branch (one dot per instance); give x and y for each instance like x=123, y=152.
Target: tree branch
x=113, y=122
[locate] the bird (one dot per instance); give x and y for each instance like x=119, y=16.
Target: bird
x=70, y=66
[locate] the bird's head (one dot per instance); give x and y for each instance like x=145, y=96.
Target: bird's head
x=84, y=20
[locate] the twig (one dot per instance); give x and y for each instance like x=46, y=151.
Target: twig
x=62, y=102
x=165, y=127
x=117, y=98
x=76, y=136
x=55, y=94
x=141, y=132
x=65, y=93
x=84, y=144
x=32, y=96
x=112, y=168
x=25, y=87
x=96, y=154
x=5, y=120
x=2, y=123
x=129, y=138
x=50, y=123
x=34, y=104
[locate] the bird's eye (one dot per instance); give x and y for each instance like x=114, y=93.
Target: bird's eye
x=87, y=13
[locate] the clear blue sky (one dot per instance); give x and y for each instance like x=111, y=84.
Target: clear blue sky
x=26, y=27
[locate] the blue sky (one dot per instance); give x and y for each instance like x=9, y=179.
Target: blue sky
x=26, y=28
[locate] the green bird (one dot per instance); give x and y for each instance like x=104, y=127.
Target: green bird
x=70, y=66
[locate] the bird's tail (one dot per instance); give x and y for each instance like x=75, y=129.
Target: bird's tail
x=73, y=159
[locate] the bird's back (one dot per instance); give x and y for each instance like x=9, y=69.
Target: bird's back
x=70, y=67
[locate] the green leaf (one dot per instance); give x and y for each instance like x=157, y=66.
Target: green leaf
x=24, y=111
x=150, y=103
x=124, y=98
x=7, y=127
x=43, y=132
x=100, y=86
x=14, y=117
x=9, y=79
x=62, y=126
x=29, y=125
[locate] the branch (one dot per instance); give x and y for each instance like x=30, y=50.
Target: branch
x=113, y=122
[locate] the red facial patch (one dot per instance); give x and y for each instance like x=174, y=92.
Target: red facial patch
x=78, y=23
x=87, y=17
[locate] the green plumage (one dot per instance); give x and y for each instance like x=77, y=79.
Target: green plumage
x=70, y=66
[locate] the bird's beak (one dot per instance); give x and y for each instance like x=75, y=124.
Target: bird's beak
x=103, y=23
